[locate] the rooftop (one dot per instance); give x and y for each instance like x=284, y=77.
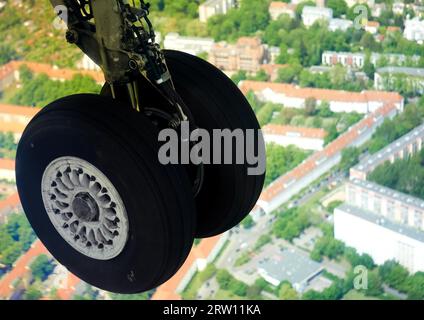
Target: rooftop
x=317, y=10
x=291, y=90
x=370, y=162
x=167, y=291
x=384, y=223
x=290, y=265
x=414, y=72
x=20, y=268
x=393, y=194
x=18, y=110
x=54, y=72
x=7, y=164
x=294, y=131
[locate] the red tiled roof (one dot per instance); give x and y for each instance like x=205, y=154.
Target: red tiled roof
x=6, y=70
x=320, y=94
x=167, y=291
x=18, y=110
x=7, y=164
x=373, y=24
x=393, y=28
x=10, y=202
x=302, y=131
x=71, y=284
x=13, y=127
x=275, y=5
x=20, y=268
x=56, y=73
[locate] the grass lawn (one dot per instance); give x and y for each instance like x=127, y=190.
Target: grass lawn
x=356, y=295
x=227, y=295
x=190, y=292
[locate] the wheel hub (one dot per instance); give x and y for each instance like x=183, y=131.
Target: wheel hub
x=85, y=208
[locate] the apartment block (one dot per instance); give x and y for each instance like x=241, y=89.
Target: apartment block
x=303, y=138
x=407, y=145
x=292, y=96
x=191, y=45
x=213, y=7
x=386, y=78
x=310, y=15
x=247, y=54
x=277, y=8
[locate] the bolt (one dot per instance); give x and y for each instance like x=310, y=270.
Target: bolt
x=71, y=36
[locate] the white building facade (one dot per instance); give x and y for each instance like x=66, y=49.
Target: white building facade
x=414, y=30
x=214, y=7
x=191, y=45
x=310, y=15
x=380, y=238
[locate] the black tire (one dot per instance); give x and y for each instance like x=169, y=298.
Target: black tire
x=228, y=193
x=123, y=145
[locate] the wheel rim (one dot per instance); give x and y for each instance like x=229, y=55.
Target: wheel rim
x=85, y=208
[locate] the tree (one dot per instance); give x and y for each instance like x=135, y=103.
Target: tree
x=310, y=106
x=248, y=222
x=239, y=76
x=350, y=157
x=375, y=284
x=368, y=67
x=41, y=267
x=287, y=292
x=33, y=293
x=289, y=74
x=7, y=53
x=339, y=7
x=393, y=274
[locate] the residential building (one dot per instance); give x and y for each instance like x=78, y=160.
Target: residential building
x=394, y=59
x=339, y=24
x=398, y=7
x=247, y=54
x=303, y=138
x=356, y=60
x=276, y=9
x=18, y=277
x=7, y=170
x=388, y=203
x=379, y=221
x=8, y=206
x=272, y=70
x=272, y=53
x=381, y=238
x=291, y=96
x=312, y=14
x=414, y=30
x=52, y=72
x=346, y=59
x=372, y=27
x=289, y=265
x=213, y=7
x=191, y=45
x=405, y=146
x=14, y=119
x=7, y=76
x=289, y=184
x=387, y=77
x=378, y=9
x=351, y=3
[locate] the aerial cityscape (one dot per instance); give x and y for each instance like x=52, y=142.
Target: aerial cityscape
x=336, y=86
